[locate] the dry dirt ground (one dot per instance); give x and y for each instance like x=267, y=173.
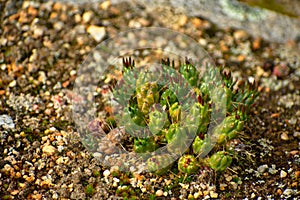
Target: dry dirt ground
x=42, y=44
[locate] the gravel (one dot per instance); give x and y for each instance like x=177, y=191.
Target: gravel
x=42, y=157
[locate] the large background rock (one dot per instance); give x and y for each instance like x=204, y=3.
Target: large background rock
x=259, y=22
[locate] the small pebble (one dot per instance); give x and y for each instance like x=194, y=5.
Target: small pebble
x=87, y=16
x=12, y=84
x=213, y=194
x=283, y=174
x=262, y=168
x=284, y=136
x=159, y=193
x=106, y=173
x=97, y=32
x=279, y=192
x=297, y=174
x=240, y=35
x=49, y=149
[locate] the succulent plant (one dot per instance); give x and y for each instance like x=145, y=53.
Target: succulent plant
x=159, y=164
x=157, y=121
x=175, y=112
x=187, y=164
x=176, y=137
x=229, y=129
x=181, y=120
x=147, y=94
x=200, y=145
x=220, y=161
x=190, y=73
x=168, y=98
x=143, y=145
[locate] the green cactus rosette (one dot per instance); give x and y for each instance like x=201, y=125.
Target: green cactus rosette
x=175, y=112
x=143, y=145
x=172, y=131
x=228, y=129
x=130, y=121
x=187, y=164
x=199, y=115
x=168, y=98
x=157, y=121
x=219, y=161
x=200, y=145
x=159, y=164
x=176, y=137
x=137, y=116
x=222, y=95
x=147, y=95
x=190, y=73
x=247, y=95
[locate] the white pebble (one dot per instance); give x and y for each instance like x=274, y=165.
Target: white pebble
x=283, y=174
x=106, y=173
x=96, y=32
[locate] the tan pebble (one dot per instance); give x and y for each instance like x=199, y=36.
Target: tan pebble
x=240, y=35
x=29, y=179
x=168, y=182
x=46, y=183
x=197, y=22
x=295, y=184
x=97, y=32
x=279, y=192
x=32, y=11
x=114, y=11
x=65, y=84
x=14, y=192
x=260, y=71
x=197, y=194
x=53, y=15
x=283, y=174
x=22, y=185
x=12, y=84
x=38, y=32
x=228, y=178
x=87, y=16
x=159, y=193
x=222, y=188
x=134, y=24
x=284, y=136
x=275, y=115
x=105, y=5
x=256, y=43
x=144, y=22
x=297, y=174
x=57, y=6
x=294, y=152
x=213, y=194
x=77, y=18
x=18, y=175
x=49, y=149
x=267, y=89
x=241, y=58
x=182, y=20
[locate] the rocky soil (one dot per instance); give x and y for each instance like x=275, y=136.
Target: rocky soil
x=42, y=157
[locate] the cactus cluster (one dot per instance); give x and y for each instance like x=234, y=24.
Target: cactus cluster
x=157, y=108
